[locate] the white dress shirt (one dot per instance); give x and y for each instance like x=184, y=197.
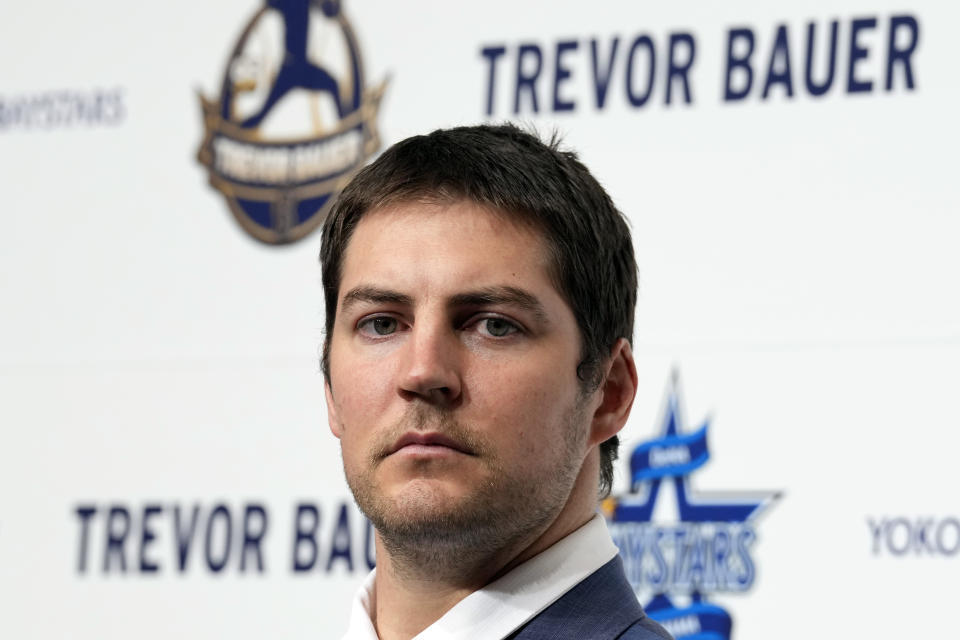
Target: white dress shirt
x=503, y=606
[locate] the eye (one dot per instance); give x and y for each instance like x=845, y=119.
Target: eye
x=498, y=327
x=378, y=326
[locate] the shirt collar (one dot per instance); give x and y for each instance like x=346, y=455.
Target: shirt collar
x=364, y=602
x=504, y=605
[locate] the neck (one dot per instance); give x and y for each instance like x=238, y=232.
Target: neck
x=410, y=595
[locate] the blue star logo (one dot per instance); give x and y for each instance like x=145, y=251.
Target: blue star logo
x=673, y=456
x=693, y=557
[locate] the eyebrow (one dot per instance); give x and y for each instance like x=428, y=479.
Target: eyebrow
x=486, y=296
x=374, y=295
x=505, y=295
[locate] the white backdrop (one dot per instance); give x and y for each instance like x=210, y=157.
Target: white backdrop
x=797, y=263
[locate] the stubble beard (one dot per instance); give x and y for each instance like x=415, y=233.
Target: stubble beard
x=426, y=535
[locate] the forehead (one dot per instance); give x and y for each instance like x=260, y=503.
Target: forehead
x=433, y=247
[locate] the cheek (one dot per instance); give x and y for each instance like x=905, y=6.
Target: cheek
x=360, y=407
x=527, y=384
x=352, y=456
x=362, y=389
x=528, y=405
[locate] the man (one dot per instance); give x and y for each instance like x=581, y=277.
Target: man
x=480, y=288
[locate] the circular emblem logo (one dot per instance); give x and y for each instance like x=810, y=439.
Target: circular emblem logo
x=294, y=119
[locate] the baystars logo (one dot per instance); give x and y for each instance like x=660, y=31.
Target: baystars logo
x=708, y=551
x=294, y=120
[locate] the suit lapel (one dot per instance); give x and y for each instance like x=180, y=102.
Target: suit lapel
x=600, y=606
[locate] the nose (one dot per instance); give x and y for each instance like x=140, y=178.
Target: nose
x=430, y=370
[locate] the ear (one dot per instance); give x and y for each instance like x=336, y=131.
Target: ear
x=333, y=419
x=616, y=394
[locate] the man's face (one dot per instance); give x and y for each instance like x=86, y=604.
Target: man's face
x=453, y=383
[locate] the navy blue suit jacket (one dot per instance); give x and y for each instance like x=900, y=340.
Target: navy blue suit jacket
x=601, y=607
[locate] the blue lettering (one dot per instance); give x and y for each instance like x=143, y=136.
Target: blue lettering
x=662, y=574
x=942, y=546
x=492, y=54
x=341, y=546
x=305, y=533
x=222, y=513
x=638, y=100
x=561, y=74
x=138, y=527
x=741, y=61
x=679, y=552
x=526, y=79
x=813, y=88
x=712, y=556
x=601, y=77
x=84, y=513
x=743, y=541
x=184, y=536
x=902, y=55
x=254, y=529
x=858, y=53
x=876, y=530
x=721, y=549
x=680, y=70
x=116, y=539
x=147, y=536
x=907, y=536
x=922, y=541
x=697, y=557
x=779, y=58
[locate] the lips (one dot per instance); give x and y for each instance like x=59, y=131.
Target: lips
x=420, y=439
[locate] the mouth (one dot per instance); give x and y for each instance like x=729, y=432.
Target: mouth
x=421, y=444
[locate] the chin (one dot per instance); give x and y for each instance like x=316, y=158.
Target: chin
x=428, y=496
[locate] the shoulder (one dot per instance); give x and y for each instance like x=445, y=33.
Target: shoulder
x=645, y=629
x=601, y=607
